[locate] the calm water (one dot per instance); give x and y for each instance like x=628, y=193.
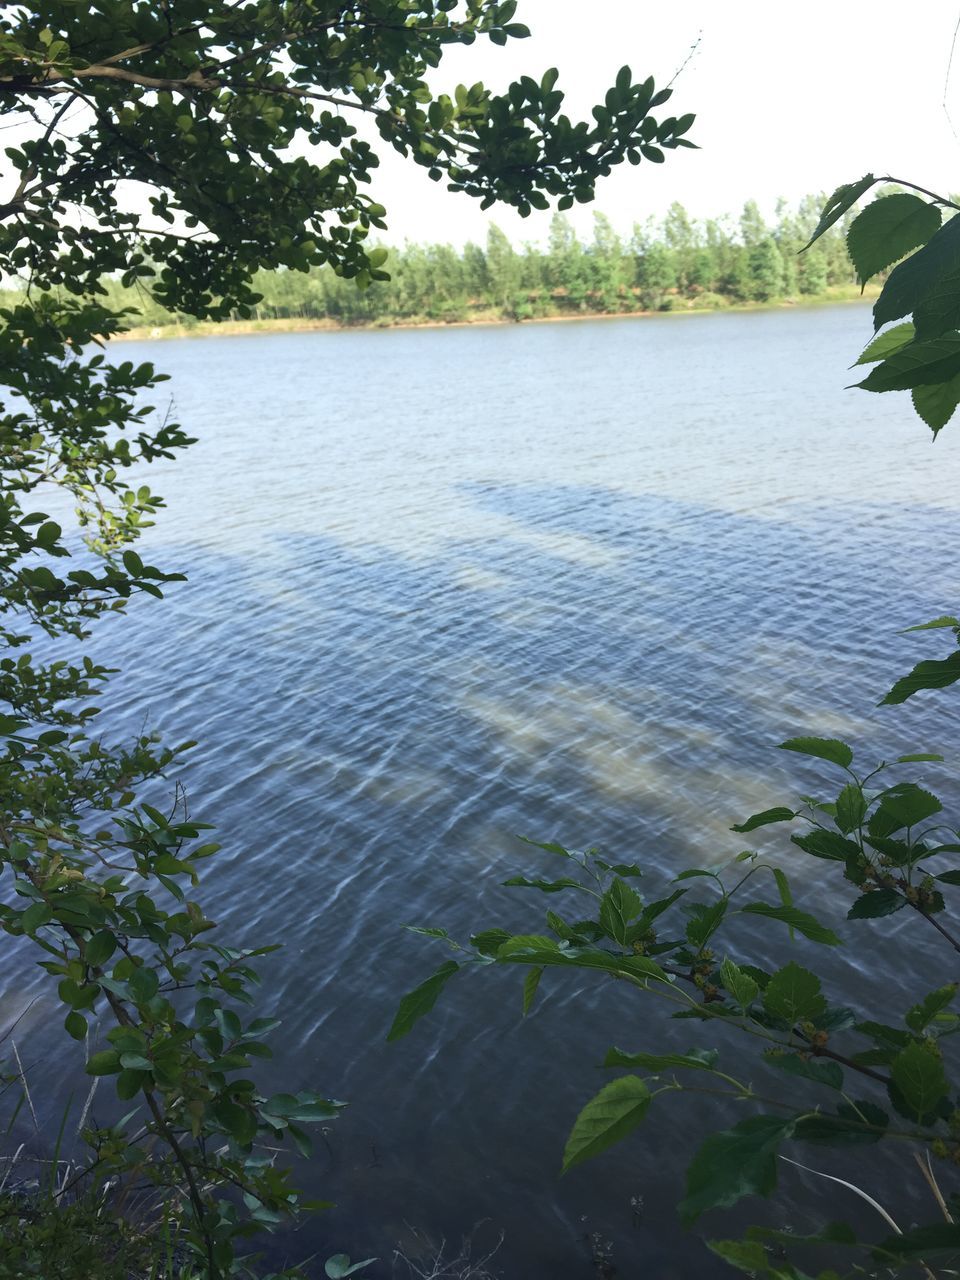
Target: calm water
x=567, y=581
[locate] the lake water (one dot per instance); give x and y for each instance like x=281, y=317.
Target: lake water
x=568, y=581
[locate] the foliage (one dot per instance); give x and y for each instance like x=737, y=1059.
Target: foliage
x=853, y=1079
x=677, y=262
x=204, y=112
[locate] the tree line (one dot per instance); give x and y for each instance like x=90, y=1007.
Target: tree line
x=674, y=263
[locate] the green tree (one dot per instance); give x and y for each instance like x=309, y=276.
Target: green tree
x=765, y=268
x=234, y=124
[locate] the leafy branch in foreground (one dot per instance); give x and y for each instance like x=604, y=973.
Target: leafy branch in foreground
x=868, y=1080
x=206, y=110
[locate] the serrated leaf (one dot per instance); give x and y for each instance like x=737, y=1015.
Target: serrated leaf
x=903, y=807
x=619, y=905
x=887, y=343
x=737, y=1162
x=695, y=1060
x=918, y=365
x=609, y=1116
x=740, y=985
x=856, y=1124
x=844, y=198
x=530, y=984
x=793, y=993
x=876, y=903
x=831, y=749
x=918, y=1074
x=945, y=620
x=936, y=403
x=826, y=844
x=921, y=1015
x=764, y=819
x=545, y=886
x=931, y=674
x=851, y=808
x=806, y=924
x=817, y=1069
x=888, y=230
x=421, y=1000
x=913, y=281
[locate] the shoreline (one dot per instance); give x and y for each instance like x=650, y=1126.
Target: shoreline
x=251, y=328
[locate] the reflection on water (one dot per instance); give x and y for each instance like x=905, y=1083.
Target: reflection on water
x=568, y=581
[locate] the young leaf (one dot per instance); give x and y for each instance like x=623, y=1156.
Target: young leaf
x=799, y=920
x=793, y=994
x=831, y=749
x=740, y=985
x=737, y=1162
x=922, y=1014
x=887, y=343
x=619, y=905
x=609, y=1116
x=888, y=230
x=545, y=886
x=421, y=1000
x=904, y=807
x=764, y=819
x=844, y=198
x=340, y=1265
x=851, y=808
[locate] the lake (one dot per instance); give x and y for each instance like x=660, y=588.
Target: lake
x=569, y=581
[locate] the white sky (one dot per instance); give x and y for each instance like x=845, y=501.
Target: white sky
x=790, y=99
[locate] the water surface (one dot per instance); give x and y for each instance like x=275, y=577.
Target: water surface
x=570, y=581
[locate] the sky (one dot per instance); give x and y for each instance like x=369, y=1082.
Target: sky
x=790, y=99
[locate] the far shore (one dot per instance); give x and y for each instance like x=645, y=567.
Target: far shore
x=293, y=324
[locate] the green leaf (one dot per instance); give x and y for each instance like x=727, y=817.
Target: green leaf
x=918, y=278
x=932, y=674
x=922, y=1014
x=857, y=1124
x=418, y=1002
x=919, y=365
x=918, y=1074
x=887, y=343
x=738, y=1162
x=919, y=757
x=793, y=993
x=851, y=808
x=740, y=985
x=902, y=807
x=936, y=403
x=619, y=905
x=764, y=819
x=746, y=1255
x=105, y=1063
x=888, y=230
x=922, y=1242
x=35, y=917
x=550, y=847
x=76, y=1025
x=817, y=1069
x=100, y=948
x=609, y=1116
x=340, y=1265
x=530, y=984
x=545, y=886
x=831, y=749
x=799, y=920
x=876, y=903
x=695, y=1060
x=844, y=198
x=935, y=624
x=827, y=844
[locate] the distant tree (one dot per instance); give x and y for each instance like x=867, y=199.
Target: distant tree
x=765, y=268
